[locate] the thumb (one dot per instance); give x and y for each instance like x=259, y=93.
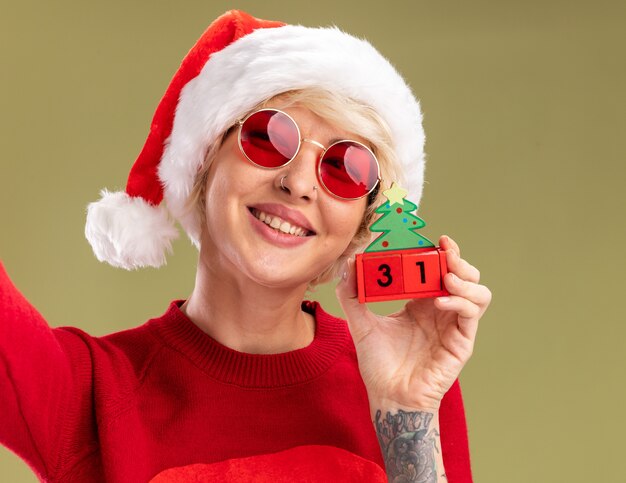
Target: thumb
x=359, y=317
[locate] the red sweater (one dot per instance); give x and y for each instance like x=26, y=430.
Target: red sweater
x=166, y=399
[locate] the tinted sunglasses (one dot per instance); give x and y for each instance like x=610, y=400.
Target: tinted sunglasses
x=271, y=139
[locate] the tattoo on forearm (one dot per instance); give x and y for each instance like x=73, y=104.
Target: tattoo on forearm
x=408, y=446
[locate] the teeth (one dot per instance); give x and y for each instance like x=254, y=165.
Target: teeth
x=284, y=227
x=279, y=224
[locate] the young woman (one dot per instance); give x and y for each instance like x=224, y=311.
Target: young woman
x=272, y=147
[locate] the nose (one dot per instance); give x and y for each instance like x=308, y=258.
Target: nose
x=299, y=178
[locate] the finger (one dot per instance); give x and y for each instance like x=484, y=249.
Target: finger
x=448, y=243
x=475, y=293
x=468, y=312
x=462, y=268
x=357, y=314
x=458, y=343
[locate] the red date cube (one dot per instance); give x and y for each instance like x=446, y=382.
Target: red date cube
x=421, y=271
x=401, y=274
x=383, y=275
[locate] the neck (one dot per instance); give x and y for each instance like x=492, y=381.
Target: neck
x=246, y=316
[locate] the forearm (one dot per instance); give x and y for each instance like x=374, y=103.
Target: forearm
x=410, y=443
x=36, y=384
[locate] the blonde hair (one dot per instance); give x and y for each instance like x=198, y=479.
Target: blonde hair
x=352, y=116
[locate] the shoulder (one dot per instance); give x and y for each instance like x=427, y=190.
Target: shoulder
x=324, y=319
x=330, y=329
x=315, y=308
x=127, y=352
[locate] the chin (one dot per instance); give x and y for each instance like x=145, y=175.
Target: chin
x=276, y=276
x=266, y=266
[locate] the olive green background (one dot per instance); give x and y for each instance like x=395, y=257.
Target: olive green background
x=524, y=116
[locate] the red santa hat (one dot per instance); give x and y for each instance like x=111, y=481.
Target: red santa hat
x=238, y=62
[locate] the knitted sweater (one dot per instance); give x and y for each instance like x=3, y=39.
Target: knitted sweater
x=165, y=402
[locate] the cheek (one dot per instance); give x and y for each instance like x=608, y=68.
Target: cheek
x=226, y=178
x=219, y=192
x=347, y=221
x=214, y=197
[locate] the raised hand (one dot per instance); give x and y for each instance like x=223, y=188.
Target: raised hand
x=411, y=358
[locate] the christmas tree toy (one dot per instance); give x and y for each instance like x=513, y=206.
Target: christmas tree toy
x=400, y=263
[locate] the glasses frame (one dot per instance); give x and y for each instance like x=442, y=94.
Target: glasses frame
x=240, y=123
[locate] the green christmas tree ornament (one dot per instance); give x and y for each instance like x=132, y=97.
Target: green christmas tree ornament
x=397, y=224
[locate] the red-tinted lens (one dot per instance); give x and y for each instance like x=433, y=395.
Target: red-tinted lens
x=269, y=138
x=349, y=170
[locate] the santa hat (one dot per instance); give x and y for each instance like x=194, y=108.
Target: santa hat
x=238, y=62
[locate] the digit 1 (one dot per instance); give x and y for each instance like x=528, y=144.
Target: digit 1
x=422, y=271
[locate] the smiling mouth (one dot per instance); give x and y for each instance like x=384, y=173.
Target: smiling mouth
x=280, y=225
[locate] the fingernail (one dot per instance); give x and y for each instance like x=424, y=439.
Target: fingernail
x=444, y=300
x=454, y=278
x=345, y=275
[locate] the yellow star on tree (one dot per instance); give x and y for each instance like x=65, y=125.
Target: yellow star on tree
x=395, y=194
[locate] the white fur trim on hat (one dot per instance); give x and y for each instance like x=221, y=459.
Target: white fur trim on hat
x=267, y=62
x=128, y=232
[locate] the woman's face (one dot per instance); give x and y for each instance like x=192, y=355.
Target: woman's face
x=235, y=240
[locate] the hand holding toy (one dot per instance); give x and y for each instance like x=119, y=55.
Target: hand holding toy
x=400, y=263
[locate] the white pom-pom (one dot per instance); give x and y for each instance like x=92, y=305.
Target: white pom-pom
x=128, y=232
